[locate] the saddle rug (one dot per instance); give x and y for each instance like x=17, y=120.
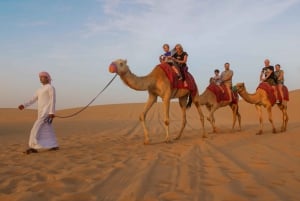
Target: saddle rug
x=178, y=84
x=270, y=92
x=222, y=94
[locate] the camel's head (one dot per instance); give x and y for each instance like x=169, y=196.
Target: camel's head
x=239, y=87
x=119, y=66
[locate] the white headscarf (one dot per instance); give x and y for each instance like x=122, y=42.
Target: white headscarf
x=45, y=74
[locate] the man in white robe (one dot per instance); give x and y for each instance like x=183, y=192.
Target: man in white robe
x=42, y=134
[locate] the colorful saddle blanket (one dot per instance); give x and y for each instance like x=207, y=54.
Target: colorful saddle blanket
x=270, y=92
x=178, y=84
x=221, y=93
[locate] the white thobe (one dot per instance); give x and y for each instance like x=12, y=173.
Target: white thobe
x=42, y=134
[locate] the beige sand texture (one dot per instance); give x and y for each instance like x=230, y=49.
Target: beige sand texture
x=102, y=157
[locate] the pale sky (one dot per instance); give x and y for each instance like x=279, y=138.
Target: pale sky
x=75, y=41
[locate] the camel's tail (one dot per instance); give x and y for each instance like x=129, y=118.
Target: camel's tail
x=190, y=101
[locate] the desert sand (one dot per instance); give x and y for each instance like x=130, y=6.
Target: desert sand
x=102, y=157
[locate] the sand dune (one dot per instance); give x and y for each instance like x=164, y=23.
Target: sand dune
x=102, y=157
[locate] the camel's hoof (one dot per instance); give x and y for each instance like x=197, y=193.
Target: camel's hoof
x=177, y=138
x=146, y=142
x=282, y=130
x=167, y=140
x=259, y=133
x=236, y=130
x=274, y=131
x=204, y=136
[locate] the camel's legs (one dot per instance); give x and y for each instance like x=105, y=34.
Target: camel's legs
x=239, y=117
x=166, y=102
x=269, y=109
x=234, y=108
x=285, y=118
x=197, y=104
x=235, y=113
x=182, y=103
x=151, y=100
x=259, y=111
x=211, y=118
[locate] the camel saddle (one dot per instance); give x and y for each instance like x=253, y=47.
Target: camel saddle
x=222, y=94
x=178, y=84
x=270, y=92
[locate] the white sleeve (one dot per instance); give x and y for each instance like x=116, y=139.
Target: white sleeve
x=31, y=101
x=52, y=100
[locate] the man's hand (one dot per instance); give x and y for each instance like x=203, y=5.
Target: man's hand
x=21, y=107
x=49, y=119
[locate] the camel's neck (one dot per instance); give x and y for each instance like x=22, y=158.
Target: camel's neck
x=135, y=82
x=250, y=98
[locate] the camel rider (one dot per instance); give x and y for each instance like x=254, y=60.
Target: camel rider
x=217, y=79
x=180, y=59
x=226, y=77
x=279, y=75
x=267, y=75
x=165, y=57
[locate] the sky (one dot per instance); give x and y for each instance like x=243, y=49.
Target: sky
x=75, y=41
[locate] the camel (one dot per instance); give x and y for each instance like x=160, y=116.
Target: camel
x=260, y=98
x=158, y=85
x=209, y=99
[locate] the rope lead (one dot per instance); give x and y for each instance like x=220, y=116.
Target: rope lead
x=75, y=113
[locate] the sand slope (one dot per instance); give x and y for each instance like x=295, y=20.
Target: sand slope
x=102, y=157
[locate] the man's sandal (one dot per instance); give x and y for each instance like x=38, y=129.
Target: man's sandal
x=30, y=150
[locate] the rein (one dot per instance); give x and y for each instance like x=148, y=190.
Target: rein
x=75, y=113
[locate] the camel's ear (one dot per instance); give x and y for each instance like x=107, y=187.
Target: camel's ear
x=125, y=61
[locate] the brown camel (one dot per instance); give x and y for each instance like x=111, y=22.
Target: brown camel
x=260, y=98
x=157, y=84
x=209, y=99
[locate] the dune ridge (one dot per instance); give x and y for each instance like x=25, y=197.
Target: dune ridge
x=102, y=157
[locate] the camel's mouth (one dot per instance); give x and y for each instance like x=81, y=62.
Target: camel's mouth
x=112, y=68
